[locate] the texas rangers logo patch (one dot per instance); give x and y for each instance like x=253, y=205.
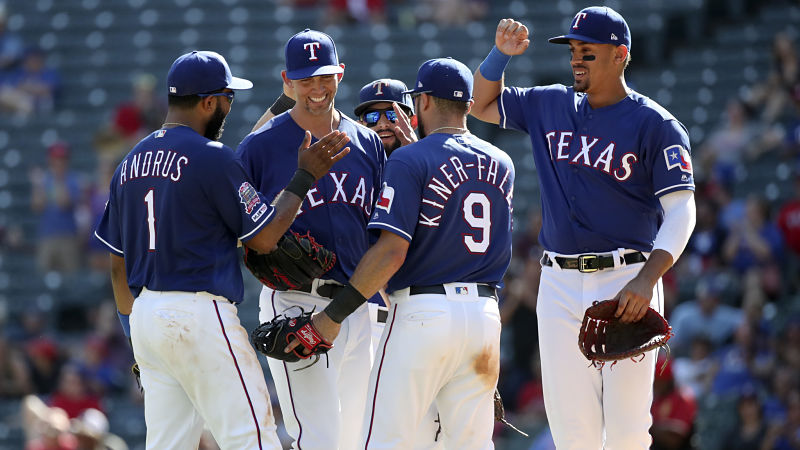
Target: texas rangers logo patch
x=386, y=198
x=677, y=156
x=248, y=196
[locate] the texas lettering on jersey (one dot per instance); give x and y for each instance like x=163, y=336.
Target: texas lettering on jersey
x=347, y=189
x=590, y=153
x=454, y=172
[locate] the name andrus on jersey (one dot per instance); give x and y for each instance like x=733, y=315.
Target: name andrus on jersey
x=160, y=163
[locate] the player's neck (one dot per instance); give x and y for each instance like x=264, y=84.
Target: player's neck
x=608, y=95
x=448, y=125
x=175, y=118
x=318, y=125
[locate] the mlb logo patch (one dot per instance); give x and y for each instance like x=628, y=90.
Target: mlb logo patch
x=386, y=198
x=458, y=94
x=462, y=290
x=172, y=90
x=677, y=156
x=161, y=133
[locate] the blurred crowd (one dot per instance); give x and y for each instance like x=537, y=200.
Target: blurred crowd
x=732, y=376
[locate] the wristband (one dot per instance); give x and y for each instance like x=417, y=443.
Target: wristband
x=300, y=183
x=344, y=303
x=494, y=65
x=125, y=321
x=282, y=104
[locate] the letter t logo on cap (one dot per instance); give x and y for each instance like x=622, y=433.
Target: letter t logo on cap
x=312, y=47
x=379, y=87
x=578, y=17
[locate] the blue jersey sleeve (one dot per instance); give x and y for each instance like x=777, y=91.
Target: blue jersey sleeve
x=398, y=204
x=108, y=230
x=671, y=158
x=242, y=208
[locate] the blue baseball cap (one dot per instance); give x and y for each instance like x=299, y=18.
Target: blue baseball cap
x=599, y=25
x=384, y=90
x=310, y=53
x=200, y=72
x=445, y=78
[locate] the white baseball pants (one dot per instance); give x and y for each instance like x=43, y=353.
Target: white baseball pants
x=197, y=365
x=589, y=408
x=440, y=349
x=323, y=404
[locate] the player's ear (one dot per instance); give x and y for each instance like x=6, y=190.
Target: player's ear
x=469, y=106
x=286, y=79
x=620, y=54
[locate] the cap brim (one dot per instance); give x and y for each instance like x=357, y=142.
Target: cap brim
x=307, y=72
x=364, y=106
x=415, y=91
x=578, y=37
x=239, y=83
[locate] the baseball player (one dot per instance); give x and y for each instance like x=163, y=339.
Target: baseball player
x=178, y=203
x=444, y=217
x=388, y=110
x=617, y=206
x=322, y=404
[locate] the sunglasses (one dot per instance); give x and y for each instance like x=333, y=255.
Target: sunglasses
x=371, y=118
x=229, y=95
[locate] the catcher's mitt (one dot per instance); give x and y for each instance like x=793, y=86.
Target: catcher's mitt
x=270, y=338
x=293, y=265
x=604, y=338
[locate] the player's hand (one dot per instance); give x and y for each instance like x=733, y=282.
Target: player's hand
x=634, y=299
x=402, y=128
x=324, y=325
x=511, y=37
x=318, y=159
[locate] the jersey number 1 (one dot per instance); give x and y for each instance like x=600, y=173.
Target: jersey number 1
x=151, y=220
x=483, y=221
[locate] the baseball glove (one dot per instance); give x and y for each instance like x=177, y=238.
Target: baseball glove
x=293, y=265
x=604, y=338
x=270, y=338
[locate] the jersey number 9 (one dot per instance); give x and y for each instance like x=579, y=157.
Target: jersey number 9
x=482, y=221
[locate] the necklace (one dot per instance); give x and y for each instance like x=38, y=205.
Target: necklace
x=164, y=125
x=460, y=130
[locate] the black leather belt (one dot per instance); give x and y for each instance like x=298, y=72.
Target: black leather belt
x=323, y=290
x=484, y=290
x=592, y=263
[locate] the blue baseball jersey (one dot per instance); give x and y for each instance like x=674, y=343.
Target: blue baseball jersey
x=338, y=206
x=601, y=171
x=178, y=204
x=450, y=197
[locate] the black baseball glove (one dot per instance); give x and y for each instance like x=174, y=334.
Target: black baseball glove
x=293, y=265
x=270, y=338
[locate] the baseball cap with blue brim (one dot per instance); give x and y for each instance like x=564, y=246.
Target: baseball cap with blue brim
x=311, y=53
x=598, y=25
x=444, y=78
x=384, y=90
x=201, y=72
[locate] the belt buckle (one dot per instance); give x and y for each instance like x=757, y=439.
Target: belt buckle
x=583, y=264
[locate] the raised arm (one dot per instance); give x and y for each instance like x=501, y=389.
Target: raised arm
x=511, y=38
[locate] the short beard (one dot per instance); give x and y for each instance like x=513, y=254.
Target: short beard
x=216, y=125
x=392, y=147
x=582, y=88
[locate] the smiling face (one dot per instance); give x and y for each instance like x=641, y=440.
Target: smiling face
x=595, y=65
x=316, y=94
x=384, y=127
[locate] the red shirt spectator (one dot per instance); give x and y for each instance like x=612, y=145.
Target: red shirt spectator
x=72, y=395
x=673, y=411
x=789, y=219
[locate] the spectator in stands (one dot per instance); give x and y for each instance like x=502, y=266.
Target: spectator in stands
x=750, y=428
x=729, y=145
x=673, y=410
x=31, y=88
x=92, y=209
x=11, y=46
x=696, y=371
x=783, y=380
x=45, y=428
x=742, y=363
x=72, y=394
x=144, y=112
x=773, y=95
x=789, y=219
x=705, y=316
x=704, y=249
x=55, y=194
x=15, y=379
x=786, y=435
x=452, y=12
x=44, y=361
x=755, y=241
x=99, y=372
x=364, y=11
x=91, y=431
x=731, y=209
